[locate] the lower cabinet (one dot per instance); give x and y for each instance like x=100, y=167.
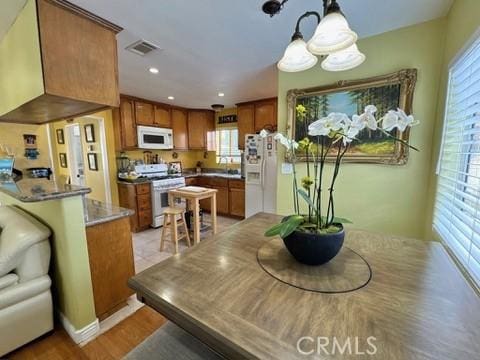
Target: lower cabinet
x=230, y=195
x=138, y=198
x=236, y=199
x=110, y=253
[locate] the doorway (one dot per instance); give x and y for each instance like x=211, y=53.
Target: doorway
x=75, y=154
x=84, y=144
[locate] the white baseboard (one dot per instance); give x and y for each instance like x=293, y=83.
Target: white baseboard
x=81, y=335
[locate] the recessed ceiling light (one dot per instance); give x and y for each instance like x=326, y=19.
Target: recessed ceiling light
x=171, y=98
x=221, y=94
x=153, y=70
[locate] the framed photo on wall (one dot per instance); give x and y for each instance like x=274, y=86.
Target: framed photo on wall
x=92, y=161
x=63, y=160
x=60, y=138
x=89, y=133
x=386, y=92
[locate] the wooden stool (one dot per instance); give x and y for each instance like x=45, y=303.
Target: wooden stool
x=169, y=216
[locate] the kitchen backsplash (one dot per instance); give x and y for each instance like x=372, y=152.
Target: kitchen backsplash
x=189, y=158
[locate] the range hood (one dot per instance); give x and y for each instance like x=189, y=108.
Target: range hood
x=57, y=61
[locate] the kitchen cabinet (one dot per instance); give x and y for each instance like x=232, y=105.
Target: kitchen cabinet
x=254, y=116
x=245, y=121
x=67, y=58
x=124, y=126
x=236, y=198
x=230, y=196
x=138, y=198
x=144, y=113
x=192, y=129
x=180, y=129
x=201, y=130
x=266, y=115
x=162, y=117
x=110, y=254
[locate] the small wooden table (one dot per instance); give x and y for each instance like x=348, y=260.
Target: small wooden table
x=195, y=198
x=416, y=306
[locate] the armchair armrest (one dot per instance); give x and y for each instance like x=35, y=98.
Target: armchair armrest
x=8, y=280
x=22, y=291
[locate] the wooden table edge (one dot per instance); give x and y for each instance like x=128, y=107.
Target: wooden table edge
x=214, y=340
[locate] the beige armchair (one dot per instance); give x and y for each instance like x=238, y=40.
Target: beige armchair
x=26, y=310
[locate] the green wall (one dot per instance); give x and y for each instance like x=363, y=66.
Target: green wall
x=387, y=199
x=462, y=22
x=20, y=62
x=71, y=270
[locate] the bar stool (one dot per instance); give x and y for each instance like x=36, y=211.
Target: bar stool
x=169, y=217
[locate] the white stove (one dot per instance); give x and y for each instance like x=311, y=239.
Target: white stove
x=162, y=183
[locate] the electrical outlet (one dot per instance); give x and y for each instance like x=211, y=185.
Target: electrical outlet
x=287, y=168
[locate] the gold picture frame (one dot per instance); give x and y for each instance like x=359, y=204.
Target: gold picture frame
x=394, y=89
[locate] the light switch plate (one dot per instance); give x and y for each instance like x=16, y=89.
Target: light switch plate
x=287, y=168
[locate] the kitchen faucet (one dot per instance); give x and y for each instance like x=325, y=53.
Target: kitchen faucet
x=226, y=163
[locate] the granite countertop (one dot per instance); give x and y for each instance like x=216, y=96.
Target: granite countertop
x=34, y=190
x=213, y=174
x=187, y=174
x=97, y=212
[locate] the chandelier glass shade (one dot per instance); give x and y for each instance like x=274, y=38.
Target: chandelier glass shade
x=332, y=34
x=297, y=57
x=344, y=60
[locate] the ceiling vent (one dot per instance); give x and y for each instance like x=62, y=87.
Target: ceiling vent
x=142, y=47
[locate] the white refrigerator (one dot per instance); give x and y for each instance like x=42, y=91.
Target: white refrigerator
x=260, y=174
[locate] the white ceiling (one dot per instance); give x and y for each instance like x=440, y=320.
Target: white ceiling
x=229, y=45
x=8, y=13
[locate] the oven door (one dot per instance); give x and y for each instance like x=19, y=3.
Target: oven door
x=160, y=201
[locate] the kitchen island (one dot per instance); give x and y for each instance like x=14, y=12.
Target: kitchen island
x=411, y=308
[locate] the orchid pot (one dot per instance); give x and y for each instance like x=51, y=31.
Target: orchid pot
x=312, y=248
x=314, y=234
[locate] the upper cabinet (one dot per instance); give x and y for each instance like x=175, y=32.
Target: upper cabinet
x=266, y=115
x=246, y=123
x=162, y=117
x=180, y=129
x=255, y=116
x=68, y=63
x=201, y=130
x=124, y=125
x=192, y=129
x=144, y=113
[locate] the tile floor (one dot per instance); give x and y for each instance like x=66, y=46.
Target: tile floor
x=146, y=244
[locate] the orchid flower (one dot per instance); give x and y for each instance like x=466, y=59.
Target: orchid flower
x=367, y=119
x=324, y=126
x=350, y=131
x=264, y=133
x=288, y=143
x=397, y=119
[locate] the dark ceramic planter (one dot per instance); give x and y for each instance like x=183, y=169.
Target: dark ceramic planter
x=314, y=249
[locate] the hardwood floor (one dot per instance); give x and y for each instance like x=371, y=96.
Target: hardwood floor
x=113, y=344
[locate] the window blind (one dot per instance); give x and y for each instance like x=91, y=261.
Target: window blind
x=227, y=146
x=456, y=214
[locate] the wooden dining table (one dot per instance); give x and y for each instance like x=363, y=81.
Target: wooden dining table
x=193, y=198
x=417, y=305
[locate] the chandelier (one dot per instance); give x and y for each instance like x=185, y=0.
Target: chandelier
x=333, y=39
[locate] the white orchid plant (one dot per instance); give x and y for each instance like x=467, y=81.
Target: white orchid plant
x=333, y=134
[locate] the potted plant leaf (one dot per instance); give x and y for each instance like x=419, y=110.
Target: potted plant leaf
x=316, y=236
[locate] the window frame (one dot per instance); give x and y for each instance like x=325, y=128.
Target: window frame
x=231, y=156
x=463, y=163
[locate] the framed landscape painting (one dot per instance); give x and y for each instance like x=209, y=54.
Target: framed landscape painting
x=387, y=92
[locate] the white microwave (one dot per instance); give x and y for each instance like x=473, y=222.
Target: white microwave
x=150, y=137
